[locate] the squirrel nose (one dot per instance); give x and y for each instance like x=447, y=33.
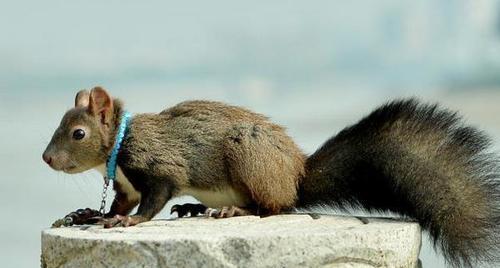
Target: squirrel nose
x=47, y=158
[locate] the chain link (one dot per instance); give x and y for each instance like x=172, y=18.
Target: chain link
x=102, y=210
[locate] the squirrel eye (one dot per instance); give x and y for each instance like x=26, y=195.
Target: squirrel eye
x=78, y=134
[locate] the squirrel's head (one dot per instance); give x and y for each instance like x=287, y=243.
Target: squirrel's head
x=83, y=138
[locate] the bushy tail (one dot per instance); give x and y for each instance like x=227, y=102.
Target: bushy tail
x=419, y=161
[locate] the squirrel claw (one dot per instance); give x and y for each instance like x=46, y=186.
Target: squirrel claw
x=211, y=212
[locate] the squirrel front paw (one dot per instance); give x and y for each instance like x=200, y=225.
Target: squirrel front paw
x=122, y=221
x=79, y=217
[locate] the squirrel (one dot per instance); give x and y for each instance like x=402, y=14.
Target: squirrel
x=415, y=159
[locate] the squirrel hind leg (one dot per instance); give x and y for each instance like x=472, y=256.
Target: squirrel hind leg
x=193, y=210
x=229, y=212
x=266, y=162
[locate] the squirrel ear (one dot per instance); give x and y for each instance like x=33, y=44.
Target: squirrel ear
x=82, y=98
x=101, y=104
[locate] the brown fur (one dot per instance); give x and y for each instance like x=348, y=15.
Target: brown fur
x=416, y=160
x=195, y=144
x=205, y=144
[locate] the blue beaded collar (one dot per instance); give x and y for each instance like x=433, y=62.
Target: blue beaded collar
x=111, y=163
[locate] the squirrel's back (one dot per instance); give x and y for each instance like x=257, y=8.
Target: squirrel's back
x=419, y=161
x=212, y=145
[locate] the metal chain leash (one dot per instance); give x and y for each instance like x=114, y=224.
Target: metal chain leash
x=102, y=209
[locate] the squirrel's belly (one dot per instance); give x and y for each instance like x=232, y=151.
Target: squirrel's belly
x=221, y=197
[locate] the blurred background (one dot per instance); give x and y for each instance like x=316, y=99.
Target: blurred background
x=313, y=66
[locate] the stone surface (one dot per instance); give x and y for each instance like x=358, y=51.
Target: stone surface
x=277, y=241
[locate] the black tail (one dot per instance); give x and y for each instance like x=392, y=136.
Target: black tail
x=420, y=161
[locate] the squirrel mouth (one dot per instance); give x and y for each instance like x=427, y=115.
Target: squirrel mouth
x=69, y=169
